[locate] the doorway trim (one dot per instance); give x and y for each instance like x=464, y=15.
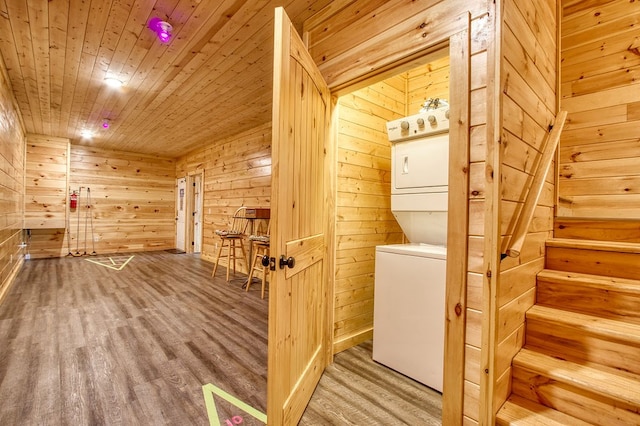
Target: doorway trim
x=181, y=200
x=195, y=203
x=456, y=34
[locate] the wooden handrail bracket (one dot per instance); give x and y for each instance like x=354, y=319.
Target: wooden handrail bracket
x=533, y=196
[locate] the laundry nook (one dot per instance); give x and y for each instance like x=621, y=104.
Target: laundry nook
x=410, y=279
x=319, y=212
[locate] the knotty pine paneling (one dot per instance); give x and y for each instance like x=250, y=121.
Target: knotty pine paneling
x=363, y=36
x=431, y=81
x=528, y=106
x=132, y=205
x=237, y=172
x=12, y=165
x=599, y=147
x=47, y=180
x=214, y=74
x=363, y=208
x=364, y=219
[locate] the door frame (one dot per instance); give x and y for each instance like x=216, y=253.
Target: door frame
x=192, y=208
x=177, y=222
x=456, y=35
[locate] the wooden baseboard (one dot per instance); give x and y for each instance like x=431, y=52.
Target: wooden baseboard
x=351, y=340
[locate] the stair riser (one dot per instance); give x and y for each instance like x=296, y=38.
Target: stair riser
x=589, y=300
x=569, y=344
x=597, y=262
x=579, y=403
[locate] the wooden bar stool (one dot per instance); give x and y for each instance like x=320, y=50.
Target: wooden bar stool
x=260, y=248
x=232, y=239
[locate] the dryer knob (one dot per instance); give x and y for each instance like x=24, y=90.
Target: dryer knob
x=446, y=114
x=420, y=122
x=432, y=119
x=404, y=125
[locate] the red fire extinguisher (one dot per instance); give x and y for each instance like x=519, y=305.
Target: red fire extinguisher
x=73, y=200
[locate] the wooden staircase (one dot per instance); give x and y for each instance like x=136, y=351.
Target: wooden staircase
x=581, y=360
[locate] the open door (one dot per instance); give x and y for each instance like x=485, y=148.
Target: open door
x=301, y=199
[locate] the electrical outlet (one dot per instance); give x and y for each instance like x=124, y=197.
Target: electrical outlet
x=96, y=239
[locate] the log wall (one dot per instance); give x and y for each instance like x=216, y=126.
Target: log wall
x=599, y=148
x=528, y=86
x=237, y=172
x=132, y=205
x=12, y=165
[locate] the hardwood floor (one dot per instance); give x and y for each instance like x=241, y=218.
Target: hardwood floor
x=85, y=344
x=355, y=390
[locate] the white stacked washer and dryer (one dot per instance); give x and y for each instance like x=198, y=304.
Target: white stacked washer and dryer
x=410, y=279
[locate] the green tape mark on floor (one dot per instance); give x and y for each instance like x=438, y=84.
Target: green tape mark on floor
x=116, y=263
x=209, y=390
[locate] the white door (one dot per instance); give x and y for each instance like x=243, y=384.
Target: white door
x=181, y=206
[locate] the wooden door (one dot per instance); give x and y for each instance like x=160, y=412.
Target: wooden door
x=299, y=332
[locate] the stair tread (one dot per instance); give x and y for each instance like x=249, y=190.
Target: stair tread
x=620, y=387
x=622, y=285
x=594, y=245
x=524, y=412
x=610, y=329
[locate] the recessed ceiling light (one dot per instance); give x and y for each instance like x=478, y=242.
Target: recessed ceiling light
x=113, y=82
x=86, y=134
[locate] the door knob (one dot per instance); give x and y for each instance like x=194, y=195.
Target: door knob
x=290, y=262
x=265, y=260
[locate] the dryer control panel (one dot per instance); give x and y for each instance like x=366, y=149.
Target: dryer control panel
x=419, y=125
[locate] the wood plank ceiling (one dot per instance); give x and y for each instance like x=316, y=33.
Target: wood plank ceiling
x=213, y=79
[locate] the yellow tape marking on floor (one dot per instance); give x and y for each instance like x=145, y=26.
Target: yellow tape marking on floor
x=209, y=390
x=113, y=265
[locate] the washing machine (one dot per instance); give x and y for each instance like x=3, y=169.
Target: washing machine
x=408, y=318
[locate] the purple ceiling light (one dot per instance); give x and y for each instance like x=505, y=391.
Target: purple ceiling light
x=161, y=28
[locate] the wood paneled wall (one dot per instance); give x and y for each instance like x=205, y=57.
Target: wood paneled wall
x=12, y=165
x=431, y=81
x=237, y=172
x=363, y=217
x=528, y=84
x=599, y=148
x=132, y=205
x=352, y=40
x=47, y=180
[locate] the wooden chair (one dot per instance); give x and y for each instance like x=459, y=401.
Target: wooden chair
x=260, y=248
x=232, y=239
